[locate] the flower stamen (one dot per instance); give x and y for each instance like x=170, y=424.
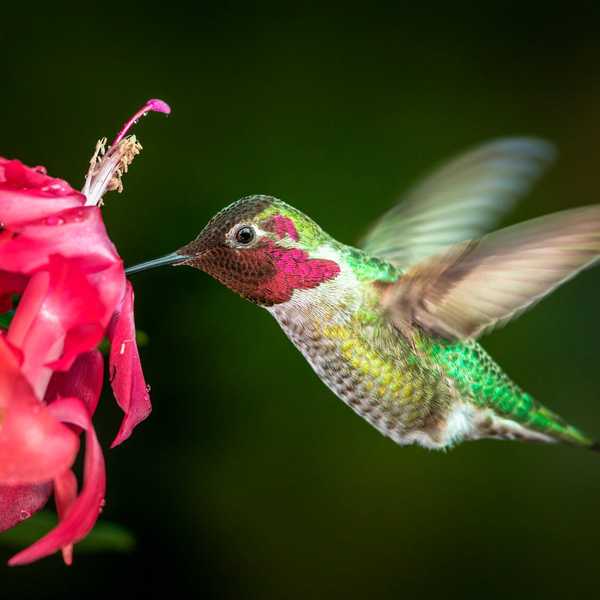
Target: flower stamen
x=107, y=167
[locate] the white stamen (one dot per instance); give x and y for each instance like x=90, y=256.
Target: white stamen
x=107, y=168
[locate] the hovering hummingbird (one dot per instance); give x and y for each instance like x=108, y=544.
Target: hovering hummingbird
x=391, y=327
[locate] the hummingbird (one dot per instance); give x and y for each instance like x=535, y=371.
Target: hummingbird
x=392, y=326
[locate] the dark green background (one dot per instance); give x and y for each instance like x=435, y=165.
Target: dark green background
x=250, y=480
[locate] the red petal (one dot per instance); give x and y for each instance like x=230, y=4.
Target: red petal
x=83, y=380
x=83, y=513
x=28, y=193
x=62, y=298
x=34, y=446
x=19, y=502
x=77, y=232
x=127, y=377
x=78, y=339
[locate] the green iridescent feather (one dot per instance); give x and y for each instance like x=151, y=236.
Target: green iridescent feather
x=369, y=268
x=480, y=379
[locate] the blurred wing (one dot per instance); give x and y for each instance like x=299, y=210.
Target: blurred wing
x=461, y=201
x=476, y=286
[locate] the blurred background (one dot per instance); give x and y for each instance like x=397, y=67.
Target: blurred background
x=250, y=479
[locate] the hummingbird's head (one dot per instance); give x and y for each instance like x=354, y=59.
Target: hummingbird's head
x=262, y=249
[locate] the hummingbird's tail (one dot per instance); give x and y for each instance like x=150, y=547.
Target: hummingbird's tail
x=538, y=424
x=572, y=436
x=559, y=430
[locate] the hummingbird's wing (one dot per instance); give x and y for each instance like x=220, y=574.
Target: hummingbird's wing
x=476, y=286
x=460, y=201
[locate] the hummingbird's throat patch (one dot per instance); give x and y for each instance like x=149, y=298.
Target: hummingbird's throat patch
x=294, y=270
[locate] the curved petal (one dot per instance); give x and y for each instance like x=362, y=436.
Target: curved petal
x=83, y=512
x=76, y=232
x=126, y=375
x=28, y=193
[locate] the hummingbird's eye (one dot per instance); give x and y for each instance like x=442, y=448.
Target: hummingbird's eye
x=245, y=235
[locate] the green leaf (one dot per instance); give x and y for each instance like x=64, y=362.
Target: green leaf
x=105, y=536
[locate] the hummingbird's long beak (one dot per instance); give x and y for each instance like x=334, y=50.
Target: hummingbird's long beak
x=170, y=259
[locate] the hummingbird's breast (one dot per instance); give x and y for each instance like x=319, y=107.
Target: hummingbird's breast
x=367, y=363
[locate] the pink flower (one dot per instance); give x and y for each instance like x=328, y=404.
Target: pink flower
x=55, y=255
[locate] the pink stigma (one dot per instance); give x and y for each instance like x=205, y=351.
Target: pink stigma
x=153, y=105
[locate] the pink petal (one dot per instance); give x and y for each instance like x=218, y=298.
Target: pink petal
x=28, y=193
x=83, y=380
x=34, y=446
x=19, y=502
x=110, y=283
x=62, y=299
x=83, y=512
x=76, y=232
x=127, y=377
x=78, y=339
